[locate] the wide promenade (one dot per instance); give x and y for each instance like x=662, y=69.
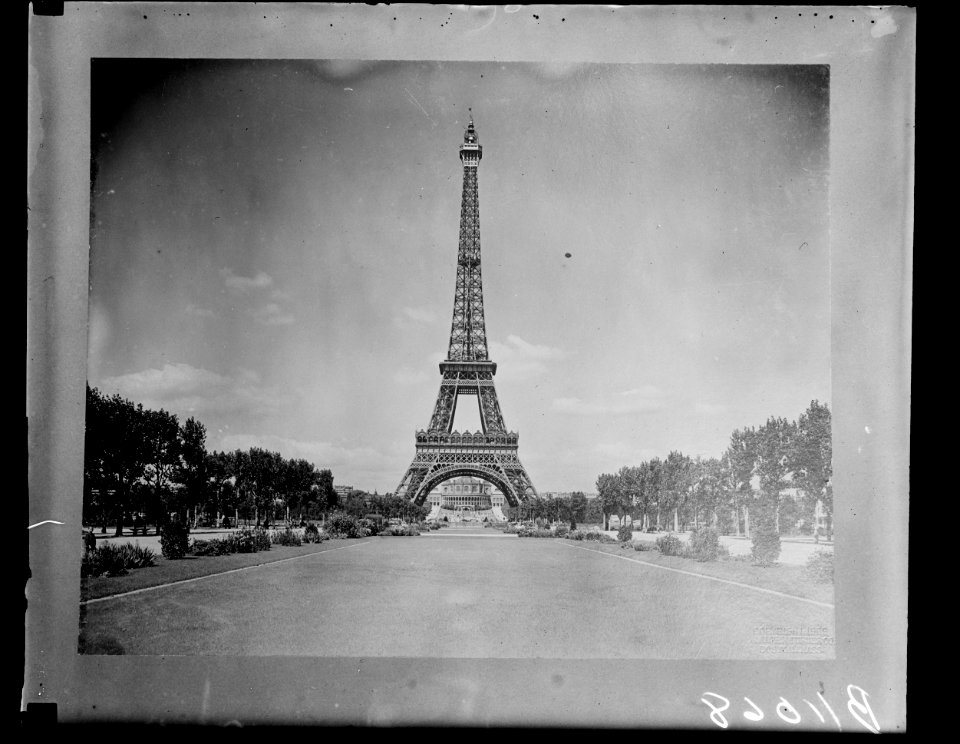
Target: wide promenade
x=461, y=594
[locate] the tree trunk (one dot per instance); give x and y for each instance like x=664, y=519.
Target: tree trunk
x=658, y=516
x=676, y=525
x=119, y=517
x=736, y=520
x=746, y=521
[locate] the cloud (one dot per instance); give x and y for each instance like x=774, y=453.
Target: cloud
x=420, y=314
x=243, y=283
x=353, y=465
x=408, y=376
x=637, y=400
x=187, y=390
x=199, y=312
x=522, y=358
x=271, y=314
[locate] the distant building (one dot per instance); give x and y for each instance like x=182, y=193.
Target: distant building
x=343, y=490
x=564, y=494
x=466, y=492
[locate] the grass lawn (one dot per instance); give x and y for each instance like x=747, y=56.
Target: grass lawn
x=779, y=578
x=191, y=566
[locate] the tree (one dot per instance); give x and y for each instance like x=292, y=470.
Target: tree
x=630, y=491
x=161, y=434
x=221, y=479
x=773, y=443
x=298, y=480
x=96, y=477
x=741, y=459
x=115, y=454
x=609, y=496
x=652, y=485
x=811, y=460
x=576, y=508
x=262, y=475
x=676, y=483
x=706, y=493
x=326, y=497
x=594, y=511
x=192, y=470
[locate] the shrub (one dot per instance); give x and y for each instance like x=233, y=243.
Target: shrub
x=344, y=525
x=204, y=547
x=243, y=540
x=535, y=532
x=639, y=545
x=576, y=535
x=705, y=544
x=820, y=567
x=766, y=542
x=116, y=560
x=670, y=545
x=625, y=533
x=289, y=538
x=251, y=541
x=261, y=539
x=370, y=526
x=174, y=539
x=312, y=534
x=135, y=556
x=397, y=530
x=562, y=530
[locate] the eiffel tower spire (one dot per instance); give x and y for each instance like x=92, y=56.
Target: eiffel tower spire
x=468, y=333
x=442, y=453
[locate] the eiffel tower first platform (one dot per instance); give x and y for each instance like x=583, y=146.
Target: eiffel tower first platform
x=442, y=453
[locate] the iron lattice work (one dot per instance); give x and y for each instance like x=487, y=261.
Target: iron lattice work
x=442, y=453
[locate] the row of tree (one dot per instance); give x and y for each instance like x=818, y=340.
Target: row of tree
x=142, y=462
x=361, y=504
x=769, y=479
x=574, y=509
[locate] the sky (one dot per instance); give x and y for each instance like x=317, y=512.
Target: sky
x=274, y=242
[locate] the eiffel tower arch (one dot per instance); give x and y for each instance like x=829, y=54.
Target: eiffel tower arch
x=490, y=454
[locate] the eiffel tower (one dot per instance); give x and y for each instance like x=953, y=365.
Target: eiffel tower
x=442, y=453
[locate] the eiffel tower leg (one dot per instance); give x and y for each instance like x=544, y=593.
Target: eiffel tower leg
x=413, y=479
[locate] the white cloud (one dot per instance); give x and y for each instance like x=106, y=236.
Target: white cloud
x=408, y=376
x=522, y=358
x=190, y=391
x=420, y=314
x=243, y=283
x=271, y=314
x=353, y=465
x=199, y=312
x=637, y=400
